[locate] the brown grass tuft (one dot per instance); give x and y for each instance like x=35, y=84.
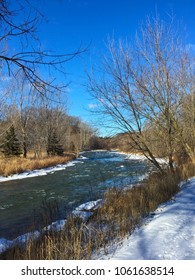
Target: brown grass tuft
x=15, y=165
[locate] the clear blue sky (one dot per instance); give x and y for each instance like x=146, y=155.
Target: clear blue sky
x=74, y=22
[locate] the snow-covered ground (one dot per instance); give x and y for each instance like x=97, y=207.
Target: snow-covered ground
x=168, y=234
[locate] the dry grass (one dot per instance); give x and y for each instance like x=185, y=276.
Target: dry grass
x=124, y=210
x=15, y=165
x=75, y=242
x=187, y=170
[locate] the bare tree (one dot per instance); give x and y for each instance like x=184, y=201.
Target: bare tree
x=143, y=85
x=25, y=98
x=19, y=24
x=187, y=126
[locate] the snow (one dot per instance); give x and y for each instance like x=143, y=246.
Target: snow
x=22, y=239
x=57, y=225
x=91, y=205
x=167, y=234
x=38, y=172
x=85, y=210
x=85, y=215
x=4, y=244
x=131, y=156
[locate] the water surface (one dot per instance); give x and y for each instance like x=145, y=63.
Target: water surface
x=22, y=201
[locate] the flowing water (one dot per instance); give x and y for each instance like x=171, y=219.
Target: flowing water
x=21, y=201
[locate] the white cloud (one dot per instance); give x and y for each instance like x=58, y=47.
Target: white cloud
x=68, y=89
x=191, y=47
x=92, y=106
x=5, y=78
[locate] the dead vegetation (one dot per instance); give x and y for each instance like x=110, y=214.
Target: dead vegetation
x=16, y=165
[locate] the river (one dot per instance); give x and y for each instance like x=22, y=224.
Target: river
x=23, y=202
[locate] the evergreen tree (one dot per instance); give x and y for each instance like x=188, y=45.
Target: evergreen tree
x=54, y=147
x=11, y=145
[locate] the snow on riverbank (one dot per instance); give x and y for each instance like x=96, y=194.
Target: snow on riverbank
x=169, y=233
x=131, y=156
x=38, y=172
x=83, y=211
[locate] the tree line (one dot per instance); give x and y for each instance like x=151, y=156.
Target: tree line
x=42, y=130
x=38, y=122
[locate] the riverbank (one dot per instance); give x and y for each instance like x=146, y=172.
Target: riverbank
x=24, y=197
x=122, y=212
x=11, y=167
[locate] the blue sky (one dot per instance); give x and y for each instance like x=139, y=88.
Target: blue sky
x=74, y=22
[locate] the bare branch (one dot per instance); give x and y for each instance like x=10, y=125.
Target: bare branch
x=32, y=61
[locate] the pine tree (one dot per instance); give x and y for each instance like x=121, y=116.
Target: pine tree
x=54, y=147
x=11, y=145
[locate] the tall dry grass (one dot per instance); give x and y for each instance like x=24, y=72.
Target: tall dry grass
x=75, y=242
x=187, y=170
x=125, y=209
x=122, y=211
x=15, y=165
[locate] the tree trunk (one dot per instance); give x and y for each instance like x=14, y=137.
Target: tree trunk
x=171, y=163
x=24, y=150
